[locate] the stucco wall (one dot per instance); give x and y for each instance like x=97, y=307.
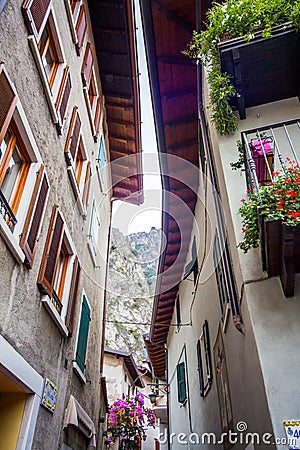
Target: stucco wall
x=24, y=321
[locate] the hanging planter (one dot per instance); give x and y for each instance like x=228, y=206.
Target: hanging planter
x=228, y=20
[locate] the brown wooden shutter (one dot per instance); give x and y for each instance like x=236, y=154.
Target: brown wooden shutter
x=80, y=29
x=87, y=185
x=8, y=100
x=51, y=253
x=34, y=12
x=34, y=217
x=73, y=295
x=64, y=95
x=86, y=71
x=73, y=136
x=97, y=118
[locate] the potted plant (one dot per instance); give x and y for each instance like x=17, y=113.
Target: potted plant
x=271, y=217
x=127, y=422
x=228, y=20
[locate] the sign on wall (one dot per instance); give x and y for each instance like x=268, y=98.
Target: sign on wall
x=49, y=395
x=292, y=430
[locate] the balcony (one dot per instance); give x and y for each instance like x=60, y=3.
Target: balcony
x=263, y=70
x=268, y=150
x=7, y=213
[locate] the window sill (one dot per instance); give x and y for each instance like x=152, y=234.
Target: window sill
x=76, y=190
x=11, y=241
x=78, y=372
x=54, y=315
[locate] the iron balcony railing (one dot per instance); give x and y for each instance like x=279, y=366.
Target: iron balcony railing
x=267, y=150
x=7, y=213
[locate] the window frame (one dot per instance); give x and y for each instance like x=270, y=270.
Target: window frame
x=58, y=239
x=101, y=162
x=79, y=188
x=204, y=359
x=55, y=88
x=89, y=79
x=27, y=189
x=74, y=22
x=92, y=245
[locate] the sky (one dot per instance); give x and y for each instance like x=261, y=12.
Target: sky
x=131, y=218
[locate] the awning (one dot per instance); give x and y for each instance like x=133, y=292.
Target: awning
x=76, y=415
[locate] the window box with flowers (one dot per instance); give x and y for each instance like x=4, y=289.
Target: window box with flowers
x=271, y=218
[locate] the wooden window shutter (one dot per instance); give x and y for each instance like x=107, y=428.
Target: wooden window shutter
x=73, y=294
x=73, y=136
x=64, y=94
x=83, y=334
x=87, y=184
x=207, y=351
x=34, y=12
x=80, y=29
x=86, y=71
x=97, y=118
x=8, y=100
x=200, y=368
x=51, y=253
x=34, y=217
x=181, y=385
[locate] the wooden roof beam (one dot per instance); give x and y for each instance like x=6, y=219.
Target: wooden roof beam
x=178, y=93
x=171, y=16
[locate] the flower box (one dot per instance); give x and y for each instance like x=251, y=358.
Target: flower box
x=280, y=247
x=263, y=157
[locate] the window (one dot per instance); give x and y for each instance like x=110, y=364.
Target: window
x=192, y=266
x=79, y=169
x=23, y=183
x=94, y=232
x=220, y=277
x=83, y=333
x=178, y=314
x=77, y=21
x=59, y=273
x=46, y=46
x=101, y=160
x=204, y=360
x=92, y=98
x=181, y=383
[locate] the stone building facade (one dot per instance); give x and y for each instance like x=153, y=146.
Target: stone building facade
x=55, y=197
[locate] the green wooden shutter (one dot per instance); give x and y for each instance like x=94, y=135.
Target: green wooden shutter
x=181, y=385
x=200, y=368
x=83, y=334
x=220, y=275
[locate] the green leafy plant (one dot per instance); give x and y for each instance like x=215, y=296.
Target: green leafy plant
x=231, y=19
x=240, y=162
x=279, y=200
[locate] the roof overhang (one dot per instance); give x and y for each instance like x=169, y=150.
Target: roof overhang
x=168, y=27
x=130, y=365
x=113, y=26
x=263, y=70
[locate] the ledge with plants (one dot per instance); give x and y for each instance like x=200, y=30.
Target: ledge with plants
x=228, y=20
x=271, y=218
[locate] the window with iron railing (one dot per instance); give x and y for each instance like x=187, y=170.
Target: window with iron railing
x=267, y=151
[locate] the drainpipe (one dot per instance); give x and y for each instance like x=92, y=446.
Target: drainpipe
x=168, y=397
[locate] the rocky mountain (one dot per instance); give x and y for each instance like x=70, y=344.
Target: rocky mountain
x=131, y=280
